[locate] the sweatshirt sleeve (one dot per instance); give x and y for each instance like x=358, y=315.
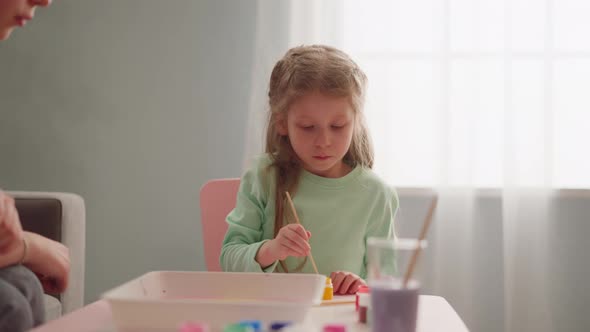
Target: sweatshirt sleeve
x=244, y=236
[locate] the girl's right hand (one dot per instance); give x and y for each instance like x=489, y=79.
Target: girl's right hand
x=292, y=240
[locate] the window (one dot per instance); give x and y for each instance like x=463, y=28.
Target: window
x=468, y=92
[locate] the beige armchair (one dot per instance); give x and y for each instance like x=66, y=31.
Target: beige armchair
x=61, y=217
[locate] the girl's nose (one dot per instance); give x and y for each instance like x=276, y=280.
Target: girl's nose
x=322, y=139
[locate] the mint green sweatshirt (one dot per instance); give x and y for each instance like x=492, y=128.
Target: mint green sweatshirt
x=341, y=213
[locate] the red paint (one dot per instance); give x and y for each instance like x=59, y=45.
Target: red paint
x=363, y=315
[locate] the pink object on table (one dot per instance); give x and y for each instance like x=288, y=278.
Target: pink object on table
x=193, y=327
x=334, y=328
x=217, y=199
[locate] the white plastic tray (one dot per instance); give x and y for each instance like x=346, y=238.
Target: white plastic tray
x=165, y=299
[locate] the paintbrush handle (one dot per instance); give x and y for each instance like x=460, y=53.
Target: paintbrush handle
x=315, y=268
x=416, y=253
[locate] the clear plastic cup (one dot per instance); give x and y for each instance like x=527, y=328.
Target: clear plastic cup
x=394, y=306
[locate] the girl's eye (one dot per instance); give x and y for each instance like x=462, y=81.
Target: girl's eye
x=307, y=127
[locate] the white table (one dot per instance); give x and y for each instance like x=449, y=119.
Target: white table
x=434, y=314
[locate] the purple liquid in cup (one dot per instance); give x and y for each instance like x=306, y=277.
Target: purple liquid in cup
x=393, y=308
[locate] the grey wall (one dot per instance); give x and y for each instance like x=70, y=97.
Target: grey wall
x=133, y=105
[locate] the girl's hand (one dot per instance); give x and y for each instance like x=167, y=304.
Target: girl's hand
x=346, y=282
x=292, y=240
x=11, y=232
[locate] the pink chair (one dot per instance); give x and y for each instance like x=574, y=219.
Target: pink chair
x=218, y=198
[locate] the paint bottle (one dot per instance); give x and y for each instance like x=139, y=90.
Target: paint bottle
x=255, y=325
x=237, y=328
x=328, y=290
x=278, y=326
x=364, y=302
x=362, y=289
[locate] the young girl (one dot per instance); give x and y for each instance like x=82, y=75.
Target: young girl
x=318, y=150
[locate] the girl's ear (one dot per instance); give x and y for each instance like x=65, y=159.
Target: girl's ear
x=281, y=126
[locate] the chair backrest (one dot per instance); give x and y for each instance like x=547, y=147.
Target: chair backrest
x=217, y=199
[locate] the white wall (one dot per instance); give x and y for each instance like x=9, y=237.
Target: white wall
x=133, y=105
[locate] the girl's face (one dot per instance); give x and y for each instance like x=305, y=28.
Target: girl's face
x=15, y=13
x=320, y=130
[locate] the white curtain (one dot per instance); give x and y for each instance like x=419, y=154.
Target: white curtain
x=484, y=103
